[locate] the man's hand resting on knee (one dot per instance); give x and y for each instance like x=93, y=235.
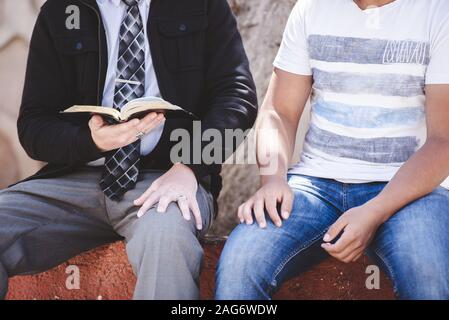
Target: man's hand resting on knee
x=177, y=185
x=274, y=191
x=111, y=137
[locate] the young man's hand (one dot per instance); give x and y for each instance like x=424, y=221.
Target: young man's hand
x=357, y=227
x=111, y=137
x=177, y=185
x=274, y=190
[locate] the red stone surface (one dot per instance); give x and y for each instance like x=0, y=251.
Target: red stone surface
x=106, y=274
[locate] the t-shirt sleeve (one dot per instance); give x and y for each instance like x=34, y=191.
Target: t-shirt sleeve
x=438, y=68
x=293, y=55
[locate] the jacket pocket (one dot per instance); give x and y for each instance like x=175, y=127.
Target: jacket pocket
x=182, y=42
x=76, y=45
x=80, y=61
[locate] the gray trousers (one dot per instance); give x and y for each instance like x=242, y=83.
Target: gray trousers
x=45, y=222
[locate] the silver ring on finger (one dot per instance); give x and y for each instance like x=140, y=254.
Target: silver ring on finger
x=182, y=198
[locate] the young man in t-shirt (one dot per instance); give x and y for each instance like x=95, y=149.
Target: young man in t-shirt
x=371, y=177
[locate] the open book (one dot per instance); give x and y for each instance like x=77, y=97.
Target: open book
x=134, y=109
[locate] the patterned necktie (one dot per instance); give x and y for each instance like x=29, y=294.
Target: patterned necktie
x=121, y=167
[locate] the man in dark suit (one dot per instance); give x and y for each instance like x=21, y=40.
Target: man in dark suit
x=107, y=182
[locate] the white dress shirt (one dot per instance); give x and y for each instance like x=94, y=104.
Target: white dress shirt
x=112, y=13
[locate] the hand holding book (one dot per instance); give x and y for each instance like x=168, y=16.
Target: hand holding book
x=111, y=137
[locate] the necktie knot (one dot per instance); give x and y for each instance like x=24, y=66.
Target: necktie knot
x=131, y=3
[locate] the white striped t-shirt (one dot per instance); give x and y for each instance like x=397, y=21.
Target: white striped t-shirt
x=370, y=68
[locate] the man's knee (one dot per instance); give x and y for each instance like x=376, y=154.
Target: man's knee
x=245, y=269
x=239, y=275
x=413, y=243
x=164, y=236
x=423, y=280
x=235, y=261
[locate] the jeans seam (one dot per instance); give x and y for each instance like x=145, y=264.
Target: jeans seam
x=292, y=255
x=388, y=266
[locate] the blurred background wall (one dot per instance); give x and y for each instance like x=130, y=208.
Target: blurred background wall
x=261, y=23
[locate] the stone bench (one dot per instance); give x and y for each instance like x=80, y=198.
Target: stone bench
x=106, y=274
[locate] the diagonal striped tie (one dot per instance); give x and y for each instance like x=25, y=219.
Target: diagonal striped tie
x=121, y=167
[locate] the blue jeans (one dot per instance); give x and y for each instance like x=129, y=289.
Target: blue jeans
x=412, y=247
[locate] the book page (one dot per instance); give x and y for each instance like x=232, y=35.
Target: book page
x=95, y=109
x=146, y=104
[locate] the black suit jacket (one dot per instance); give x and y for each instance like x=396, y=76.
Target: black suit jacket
x=200, y=64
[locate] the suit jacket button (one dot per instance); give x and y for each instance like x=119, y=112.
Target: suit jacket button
x=79, y=46
x=182, y=27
